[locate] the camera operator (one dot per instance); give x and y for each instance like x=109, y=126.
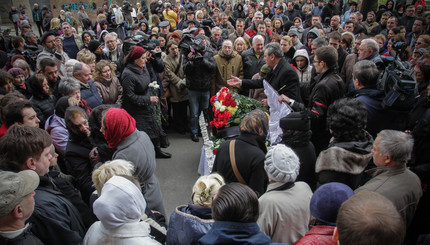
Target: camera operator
x=198, y=68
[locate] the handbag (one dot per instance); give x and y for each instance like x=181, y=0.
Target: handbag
x=233, y=163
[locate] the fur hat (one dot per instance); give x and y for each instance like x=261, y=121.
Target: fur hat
x=282, y=164
x=327, y=200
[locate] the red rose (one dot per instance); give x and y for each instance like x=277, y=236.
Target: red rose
x=214, y=151
x=233, y=104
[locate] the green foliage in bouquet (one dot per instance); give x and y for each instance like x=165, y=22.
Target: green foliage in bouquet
x=245, y=105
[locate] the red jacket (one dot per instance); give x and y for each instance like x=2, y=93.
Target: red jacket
x=318, y=235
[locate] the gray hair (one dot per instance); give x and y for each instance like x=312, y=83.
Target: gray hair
x=68, y=85
x=370, y=44
x=227, y=41
x=258, y=13
x=366, y=72
x=319, y=42
x=256, y=38
x=111, y=34
x=139, y=14
x=274, y=48
x=69, y=67
x=396, y=144
x=216, y=28
x=77, y=68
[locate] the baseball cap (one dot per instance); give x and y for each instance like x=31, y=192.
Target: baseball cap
x=14, y=187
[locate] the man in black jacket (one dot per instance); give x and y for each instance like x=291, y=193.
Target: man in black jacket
x=198, y=73
x=327, y=88
x=282, y=77
x=56, y=219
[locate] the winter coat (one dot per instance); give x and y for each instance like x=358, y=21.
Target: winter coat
x=110, y=91
x=55, y=220
x=283, y=79
x=284, y=214
x=59, y=58
x=43, y=107
x=346, y=71
x=320, y=234
x=239, y=13
x=226, y=67
x=37, y=14
x=171, y=16
x=90, y=94
x=399, y=185
x=46, y=20
x=344, y=162
x=128, y=233
x=187, y=224
x=305, y=150
x=341, y=56
x=56, y=127
x=327, y=88
x=136, y=100
x=199, y=74
x=233, y=36
x=377, y=117
x=250, y=152
x=25, y=238
x=305, y=72
x=177, y=94
x=251, y=64
x=226, y=232
x=78, y=164
x=138, y=149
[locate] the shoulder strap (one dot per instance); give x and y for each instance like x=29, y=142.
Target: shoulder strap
x=233, y=163
x=179, y=64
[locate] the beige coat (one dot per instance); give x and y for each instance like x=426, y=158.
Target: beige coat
x=225, y=69
x=177, y=94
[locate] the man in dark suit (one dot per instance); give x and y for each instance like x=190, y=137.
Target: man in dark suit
x=282, y=77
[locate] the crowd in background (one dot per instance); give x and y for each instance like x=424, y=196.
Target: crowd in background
x=86, y=105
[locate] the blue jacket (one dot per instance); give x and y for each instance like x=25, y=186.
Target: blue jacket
x=91, y=95
x=37, y=14
x=225, y=232
x=188, y=223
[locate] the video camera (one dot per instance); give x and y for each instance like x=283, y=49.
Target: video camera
x=190, y=44
x=397, y=82
x=142, y=41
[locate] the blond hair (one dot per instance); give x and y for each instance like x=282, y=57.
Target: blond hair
x=86, y=56
x=55, y=23
x=206, y=188
x=109, y=169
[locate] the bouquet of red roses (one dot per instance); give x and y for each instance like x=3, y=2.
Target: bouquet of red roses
x=223, y=106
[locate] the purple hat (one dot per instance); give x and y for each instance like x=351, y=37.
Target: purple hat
x=16, y=71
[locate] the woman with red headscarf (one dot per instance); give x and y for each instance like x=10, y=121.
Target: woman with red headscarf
x=137, y=101
x=119, y=129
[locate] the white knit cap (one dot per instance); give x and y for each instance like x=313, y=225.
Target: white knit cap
x=282, y=164
x=120, y=202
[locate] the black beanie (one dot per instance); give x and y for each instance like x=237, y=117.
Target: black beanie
x=93, y=45
x=296, y=121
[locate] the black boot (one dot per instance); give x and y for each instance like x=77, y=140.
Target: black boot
x=158, y=152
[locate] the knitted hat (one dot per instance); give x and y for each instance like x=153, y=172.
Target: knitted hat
x=327, y=200
x=16, y=71
x=264, y=70
x=282, y=164
x=295, y=121
x=137, y=53
x=14, y=187
x=93, y=45
x=155, y=41
x=293, y=31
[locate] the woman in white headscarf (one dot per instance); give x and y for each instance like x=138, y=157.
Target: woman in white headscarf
x=119, y=209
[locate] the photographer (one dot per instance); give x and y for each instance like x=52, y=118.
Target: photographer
x=198, y=68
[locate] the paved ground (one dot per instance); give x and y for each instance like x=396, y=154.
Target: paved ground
x=178, y=174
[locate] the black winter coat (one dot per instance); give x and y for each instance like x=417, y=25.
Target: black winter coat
x=55, y=220
x=283, y=79
x=251, y=65
x=327, y=88
x=25, y=238
x=43, y=107
x=136, y=100
x=199, y=74
x=250, y=153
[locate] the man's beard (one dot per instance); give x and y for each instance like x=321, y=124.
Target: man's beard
x=52, y=51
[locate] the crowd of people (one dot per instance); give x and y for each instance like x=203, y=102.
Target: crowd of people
x=86, y=104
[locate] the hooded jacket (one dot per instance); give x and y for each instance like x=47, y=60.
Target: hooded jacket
x=305, y=72
x=227, y=66
x=344, y=162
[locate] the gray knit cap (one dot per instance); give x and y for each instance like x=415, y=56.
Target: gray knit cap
x=282, y=164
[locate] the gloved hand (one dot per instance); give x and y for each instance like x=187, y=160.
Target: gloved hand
x=181, y=83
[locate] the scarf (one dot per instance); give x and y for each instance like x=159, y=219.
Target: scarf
x=119, y=125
